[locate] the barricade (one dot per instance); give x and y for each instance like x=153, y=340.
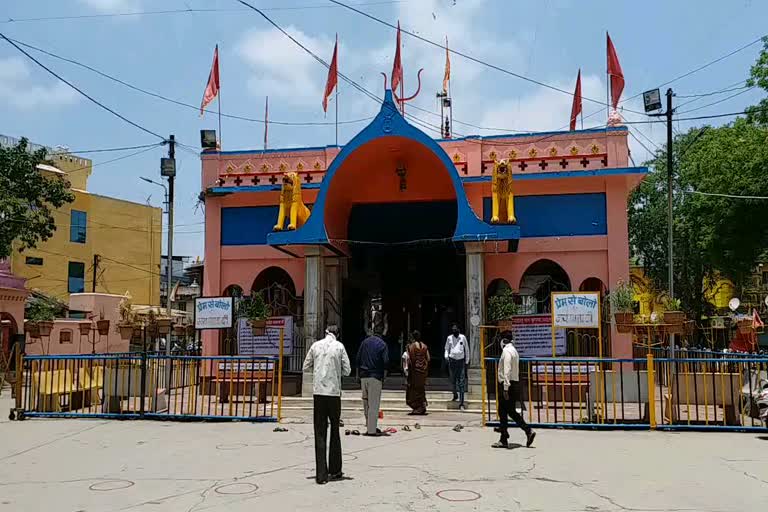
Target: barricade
x=153, y=386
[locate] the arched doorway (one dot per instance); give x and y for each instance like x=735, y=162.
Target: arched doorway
x=277, y=287
x=593, y=284
x=539, y=280
x=8, y=328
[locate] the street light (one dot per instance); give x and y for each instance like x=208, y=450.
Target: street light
x=165, y=189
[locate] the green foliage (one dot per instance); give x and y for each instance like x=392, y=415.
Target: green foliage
x=622, y=298
x=27, y=198
x=758, y=77
x=672, y=305
x=502, y=306
x=41, y=309
x=712, y=234
x=253, y=307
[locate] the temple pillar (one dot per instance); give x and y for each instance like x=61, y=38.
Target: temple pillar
x=332, y=299
x=314, y=281
x=475, y=310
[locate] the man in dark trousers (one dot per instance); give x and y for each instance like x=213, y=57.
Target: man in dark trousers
x=328, y=361
x=372, y=361
x=457, y=357
x=508, y=391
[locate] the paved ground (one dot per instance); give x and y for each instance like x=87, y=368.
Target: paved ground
x=108, y=466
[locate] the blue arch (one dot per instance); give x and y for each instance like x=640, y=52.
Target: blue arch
x=389, y=122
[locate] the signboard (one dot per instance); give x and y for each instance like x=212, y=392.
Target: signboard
x=213, y=312
x=267, y=344
x=576, y=309
x=533, y=336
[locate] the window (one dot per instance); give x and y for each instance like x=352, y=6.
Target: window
x=76, y=277
x=77, y=226
x=65, y=336
x=181, y=306
x=32, y=260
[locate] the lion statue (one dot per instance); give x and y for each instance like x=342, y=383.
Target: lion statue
x=291, y=204
x=502, y=198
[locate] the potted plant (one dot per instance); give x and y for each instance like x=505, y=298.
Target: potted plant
x=32, y=328
x=501, y=308
x=40, y=315
x=164, y=325
x=179, y=329
x=623, y=303
x=85, y=328
x=674, y=318
x=102, y=325
x=127, y=319
x=256, y=311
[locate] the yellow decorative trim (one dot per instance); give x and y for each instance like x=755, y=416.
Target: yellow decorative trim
x=492, y=155
x=532, y=153
x=512, y=154
x=574, y=150
x=264, y=168
x=300, y=166
x=456, y=158
x=595, y=149
x=282, y=167
x=318, y=166
x=230, y=169
x=247, y=168
x=553, y=151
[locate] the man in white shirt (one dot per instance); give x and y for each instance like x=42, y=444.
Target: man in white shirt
x=457, y=356
x=328, y=361
x=508, y=392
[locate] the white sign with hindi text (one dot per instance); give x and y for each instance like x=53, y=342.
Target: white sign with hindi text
x=213, y=312
x=576, y=310
x=267, y=344
x=533, y=336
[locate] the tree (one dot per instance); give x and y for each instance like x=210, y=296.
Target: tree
x=758, y=77
x=27, y=197
x=714, y=235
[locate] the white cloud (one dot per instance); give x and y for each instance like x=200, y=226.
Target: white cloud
x=18, y=89
x=109, y=6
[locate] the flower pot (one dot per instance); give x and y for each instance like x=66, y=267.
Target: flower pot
x=624, y=322
x=32, y=328
x=45, y=327
x=85, y=328
x=103, y=327
x=126, y=331
x=505, y=325
x=258, y=327
x=164, y=325
x=675, y=321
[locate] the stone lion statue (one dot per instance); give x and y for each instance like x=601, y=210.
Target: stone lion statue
x=502, y=197
x=291, y=204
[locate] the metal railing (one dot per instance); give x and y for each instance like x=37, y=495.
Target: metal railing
x=638, y=393
x=151, y=386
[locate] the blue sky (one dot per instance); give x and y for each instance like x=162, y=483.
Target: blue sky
x=171, y=54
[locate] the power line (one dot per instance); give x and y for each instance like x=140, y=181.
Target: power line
x=730, y=196
x=123, y=157
x=184, y=11
x=718, y=101
x=714, y=116
x=713, y=93
x=103, y=150
x=97, y=102
x=196, y=108
x=464, y=55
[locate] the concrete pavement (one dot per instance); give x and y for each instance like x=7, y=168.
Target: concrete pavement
x=110, y=466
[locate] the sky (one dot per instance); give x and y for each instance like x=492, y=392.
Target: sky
x=170, y=54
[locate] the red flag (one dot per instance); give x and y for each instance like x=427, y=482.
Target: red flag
x=333, y=75
x=757, y=323
x=397, y=66
x=447, y=74
x=266, y=121
x=576, y=108
x=212, y=89
x=615, y=74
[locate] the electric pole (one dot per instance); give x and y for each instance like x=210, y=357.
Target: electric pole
x=95, y=272
x=670, y=237
x=168, y=169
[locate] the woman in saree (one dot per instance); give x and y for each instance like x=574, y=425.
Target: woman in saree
x=416, y=363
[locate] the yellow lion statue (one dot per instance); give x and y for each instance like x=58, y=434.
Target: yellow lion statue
x=291, y=204
x=502, y=197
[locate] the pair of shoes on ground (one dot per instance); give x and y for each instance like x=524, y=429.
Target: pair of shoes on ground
x=353, y=432
x=529, y=437
x=458, y=428
x=331, y=478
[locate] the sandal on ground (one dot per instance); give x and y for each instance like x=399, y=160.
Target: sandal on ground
x=499, y=444
x=391, y=430
x=280, y=429
x=458, y=428
x=347, y=432
x=355, y=432
x=406, y=428
x=417, y=426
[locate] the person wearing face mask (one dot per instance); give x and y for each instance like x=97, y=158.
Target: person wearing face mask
x=508, y=391
x=457, y=356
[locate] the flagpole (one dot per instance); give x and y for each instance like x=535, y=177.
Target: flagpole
x=337, y=91
x=607, y=83
x=266, y=121
x=218, y=97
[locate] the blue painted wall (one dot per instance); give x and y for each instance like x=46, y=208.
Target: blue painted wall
x=248, y=225
x=557, y=215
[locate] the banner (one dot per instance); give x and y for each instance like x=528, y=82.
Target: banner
x=533, y=336
x=213, y=312
x=576, y=309
x=267, y=344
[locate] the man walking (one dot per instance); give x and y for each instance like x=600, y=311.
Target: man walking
x=372, y=361
x=508, y=391
x=457, y=357
x=329, y=362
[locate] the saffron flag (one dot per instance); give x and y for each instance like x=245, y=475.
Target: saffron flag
x=447, y=74
x=615, y=75
x=576, y=108
x=757, y=323
x=397, y=66
x=212, y=89
x=333, y=76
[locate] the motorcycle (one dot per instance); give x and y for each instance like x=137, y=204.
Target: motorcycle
x=762, y=402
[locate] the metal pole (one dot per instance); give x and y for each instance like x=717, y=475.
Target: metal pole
x=670, y=240
x=171, y=181
x=95, y=271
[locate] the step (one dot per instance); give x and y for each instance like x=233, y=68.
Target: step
x=388, y=403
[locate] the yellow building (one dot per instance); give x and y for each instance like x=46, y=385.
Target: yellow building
x=120, y=239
